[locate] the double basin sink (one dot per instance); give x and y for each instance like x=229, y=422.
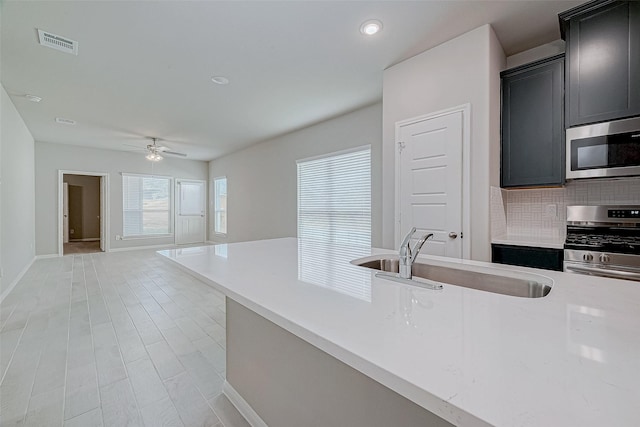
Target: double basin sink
x=525, y=286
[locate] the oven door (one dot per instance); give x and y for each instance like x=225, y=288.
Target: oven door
x=604, y=149
x=614, y=272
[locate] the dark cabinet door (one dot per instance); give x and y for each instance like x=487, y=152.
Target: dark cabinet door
x=525, y=256
x=532, y=134
x=603, y=62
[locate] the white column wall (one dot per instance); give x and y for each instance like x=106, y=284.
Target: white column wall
x=460, y=71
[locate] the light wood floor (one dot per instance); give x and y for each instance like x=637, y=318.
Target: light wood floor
x=113, y=339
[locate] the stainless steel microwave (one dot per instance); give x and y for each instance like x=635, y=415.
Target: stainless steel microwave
x=604, y=149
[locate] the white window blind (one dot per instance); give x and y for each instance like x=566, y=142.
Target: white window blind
x=220, y=205
x=334, y=198
x=146, y=205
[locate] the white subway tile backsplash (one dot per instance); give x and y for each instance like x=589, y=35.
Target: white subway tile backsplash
x=525, y=211
x=498, y=213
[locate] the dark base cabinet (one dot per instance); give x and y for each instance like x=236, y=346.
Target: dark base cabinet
x=525, y=256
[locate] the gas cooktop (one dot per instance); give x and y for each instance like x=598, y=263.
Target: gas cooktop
x=626, y=244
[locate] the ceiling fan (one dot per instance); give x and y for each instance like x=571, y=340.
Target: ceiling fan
x=155, y=152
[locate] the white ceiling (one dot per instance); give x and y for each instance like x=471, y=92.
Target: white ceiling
x=144, y=68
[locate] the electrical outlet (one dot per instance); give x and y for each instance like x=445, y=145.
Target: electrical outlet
x=71, y=231
x=118, y=237
x=552, y=211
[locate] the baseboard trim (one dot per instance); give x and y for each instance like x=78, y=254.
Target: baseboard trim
x=139, y=248
x=16, y=280
x=216, y=242
x=47, y=256
x=242, y=406
x=90, y=239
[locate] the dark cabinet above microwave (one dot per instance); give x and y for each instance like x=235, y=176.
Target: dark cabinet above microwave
x=602, y=61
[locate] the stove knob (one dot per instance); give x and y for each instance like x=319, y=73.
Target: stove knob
x=604, y=258
x=587, y=257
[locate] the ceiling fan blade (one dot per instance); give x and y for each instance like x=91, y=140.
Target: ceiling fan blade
x=136, y=147
x=174, y=153
x=155, y=148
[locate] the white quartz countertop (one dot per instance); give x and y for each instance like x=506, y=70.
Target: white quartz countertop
x=533, y=241
x=473, y=358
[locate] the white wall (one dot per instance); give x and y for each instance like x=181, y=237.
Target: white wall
x=17, y=211
x=262, y=179
x=53, y=157
x=539, y=52
x=460, y=71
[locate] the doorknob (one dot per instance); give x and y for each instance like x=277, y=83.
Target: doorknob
x=453, y=235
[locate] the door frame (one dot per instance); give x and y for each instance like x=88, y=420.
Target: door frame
x=176, y=207
x=65, y=213
x=104, y=208
x=465, y=109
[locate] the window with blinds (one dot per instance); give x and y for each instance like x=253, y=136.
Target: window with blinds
x=334, y=198
x=146, y=205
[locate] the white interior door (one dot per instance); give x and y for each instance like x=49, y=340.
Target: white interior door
x=190, y=211
x=65, y=213
x=430, y=188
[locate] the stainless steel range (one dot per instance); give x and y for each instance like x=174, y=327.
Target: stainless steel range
x=603, y=241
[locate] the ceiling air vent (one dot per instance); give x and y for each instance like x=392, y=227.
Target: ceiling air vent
x=64, y=121
x=58, y=42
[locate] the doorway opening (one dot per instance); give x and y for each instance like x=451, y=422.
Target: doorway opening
x=83, y=212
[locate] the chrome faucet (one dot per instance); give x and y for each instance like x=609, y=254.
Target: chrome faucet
x=408, y=254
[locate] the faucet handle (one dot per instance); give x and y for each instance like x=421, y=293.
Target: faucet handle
x=420, y=243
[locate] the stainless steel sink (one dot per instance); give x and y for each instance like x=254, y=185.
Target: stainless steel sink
x=528, y=287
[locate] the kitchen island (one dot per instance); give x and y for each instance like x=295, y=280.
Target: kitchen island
x=467, y=357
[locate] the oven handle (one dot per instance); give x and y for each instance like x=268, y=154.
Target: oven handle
x=605, y=272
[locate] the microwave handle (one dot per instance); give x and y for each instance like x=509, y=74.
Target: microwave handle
x=605, y=272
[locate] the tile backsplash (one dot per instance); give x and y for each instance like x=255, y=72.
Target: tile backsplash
x=498, y=213
x=542, y=213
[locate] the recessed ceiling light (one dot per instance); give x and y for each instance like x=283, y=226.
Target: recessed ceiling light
x=63, y=121
x=220, y=80
x=33, y=98
x=371, y=27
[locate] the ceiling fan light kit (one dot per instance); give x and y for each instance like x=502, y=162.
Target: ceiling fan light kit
x=155, y=152
x=154, y=157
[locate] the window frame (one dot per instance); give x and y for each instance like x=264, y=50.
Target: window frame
x=171, y=208
x=358, y=149
x=215, y=209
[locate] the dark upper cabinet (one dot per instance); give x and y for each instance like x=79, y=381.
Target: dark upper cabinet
x=603, y=61
x=532, y=125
